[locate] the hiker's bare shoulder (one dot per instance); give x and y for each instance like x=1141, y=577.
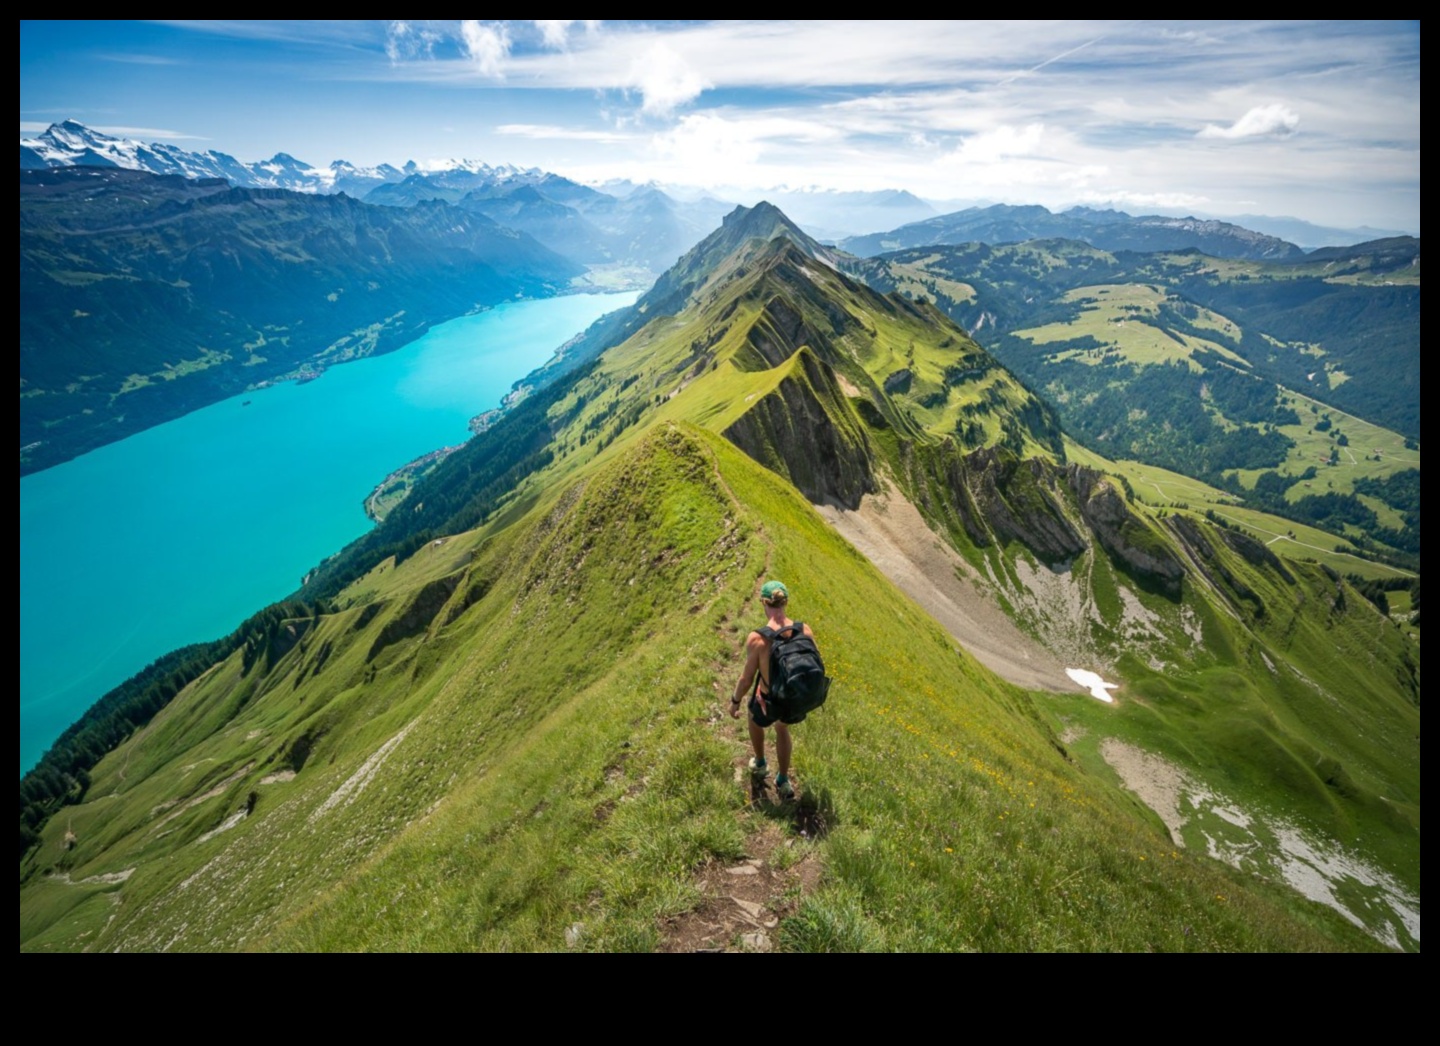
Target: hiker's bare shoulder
x=755, y=641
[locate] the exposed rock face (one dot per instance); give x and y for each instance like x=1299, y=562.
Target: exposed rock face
x=1193, y=538
x=416, y=617
x=1018, y=501
x=1192, y=535
x=1255, y=553
x=780, y=331
x=1140, y=551
x=777, y=334
x=996, y=496
x=806, y=431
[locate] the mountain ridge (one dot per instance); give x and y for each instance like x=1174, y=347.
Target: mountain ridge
x=386, y=751
x=1108, y=229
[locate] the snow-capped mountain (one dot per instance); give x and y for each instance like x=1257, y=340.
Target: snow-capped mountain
x=72, y=143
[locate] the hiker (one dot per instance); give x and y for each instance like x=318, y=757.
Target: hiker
x=759, y=672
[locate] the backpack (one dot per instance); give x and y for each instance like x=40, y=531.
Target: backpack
x=797, y=684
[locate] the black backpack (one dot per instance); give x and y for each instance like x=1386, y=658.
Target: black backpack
x=797, y=684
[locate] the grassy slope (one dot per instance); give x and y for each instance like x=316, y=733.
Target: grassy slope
x=537, y=706
x=1373, y=451
x=1292, y=701
x=1161, y=488
x=562, y=762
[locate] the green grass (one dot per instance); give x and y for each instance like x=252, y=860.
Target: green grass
x=520, y=731
x=914, y=280
x=1161, y=488
x=560, y=765
x=1109, y=316
x=1358, y=460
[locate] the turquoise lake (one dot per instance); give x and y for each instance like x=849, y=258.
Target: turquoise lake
x=179, y=533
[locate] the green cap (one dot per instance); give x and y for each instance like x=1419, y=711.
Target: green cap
x=772, y=590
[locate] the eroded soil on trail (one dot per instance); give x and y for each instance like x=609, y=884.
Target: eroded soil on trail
x=745, y=900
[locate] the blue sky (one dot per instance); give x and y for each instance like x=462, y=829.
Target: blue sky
x=1318, y=120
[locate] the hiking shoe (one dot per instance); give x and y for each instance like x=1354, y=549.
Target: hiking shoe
x=783, y=788
x=758, y=767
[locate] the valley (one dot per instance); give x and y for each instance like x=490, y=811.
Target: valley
x=1251, y=377
x=185, y=529
x=495, y=721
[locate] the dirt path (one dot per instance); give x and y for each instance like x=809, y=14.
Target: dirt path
x=890, y=532
x=745, y=900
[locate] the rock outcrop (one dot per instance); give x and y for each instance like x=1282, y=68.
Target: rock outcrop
x=807, y=432
x=1138, y=549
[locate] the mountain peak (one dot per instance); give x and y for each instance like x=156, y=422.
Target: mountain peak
x=738, y=229
x=764, y=221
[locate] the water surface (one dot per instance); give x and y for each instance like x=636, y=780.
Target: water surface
x=178, y=533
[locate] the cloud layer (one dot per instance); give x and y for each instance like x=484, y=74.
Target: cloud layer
x=1264, y=121
x=1276, y=115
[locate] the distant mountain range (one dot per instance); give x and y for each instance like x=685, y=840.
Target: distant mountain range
x=168, y=293
x=1310, y=236
x=71, y=144
x=643, y=228
x=1108, y=230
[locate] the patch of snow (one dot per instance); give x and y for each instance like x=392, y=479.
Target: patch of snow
x=1099, y=689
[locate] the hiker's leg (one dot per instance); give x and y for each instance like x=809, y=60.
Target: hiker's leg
x=782, y=747
x=757, y=739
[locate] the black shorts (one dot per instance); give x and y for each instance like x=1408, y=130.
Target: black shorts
x=760, y=718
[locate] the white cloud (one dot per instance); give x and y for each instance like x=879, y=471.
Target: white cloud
x=664, y=79
x=556, y=32
x=121, y=131
x=405, y=40
x=1273, y=120
x=708, y=148
x=140, y=59
x=1002, y=143
x=711, y=150
x=1144, y=200
x=485, y=45
x=150, y=133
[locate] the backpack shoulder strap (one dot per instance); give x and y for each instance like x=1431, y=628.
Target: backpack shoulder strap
x=768, y=634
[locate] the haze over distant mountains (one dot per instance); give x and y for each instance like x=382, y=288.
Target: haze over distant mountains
x=830, y=215
x=1108, y=230
x=140, y=301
